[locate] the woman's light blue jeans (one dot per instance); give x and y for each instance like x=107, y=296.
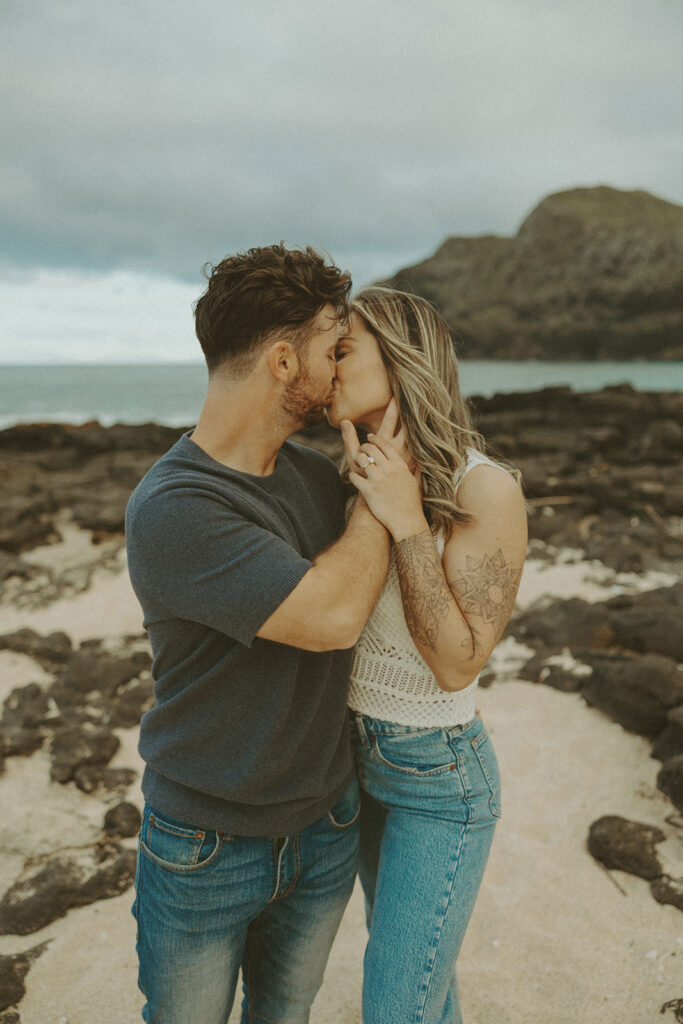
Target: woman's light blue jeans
x=207, y=903
x=429, y=805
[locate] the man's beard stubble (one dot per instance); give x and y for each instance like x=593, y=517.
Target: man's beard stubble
x=299, y=400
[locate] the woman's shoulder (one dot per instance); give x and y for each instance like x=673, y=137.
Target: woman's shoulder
x=474, y=458
x=485, y=483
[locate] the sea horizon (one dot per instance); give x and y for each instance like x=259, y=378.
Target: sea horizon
x=172, y=393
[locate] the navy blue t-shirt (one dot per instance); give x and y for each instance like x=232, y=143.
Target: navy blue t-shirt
x=247, y=736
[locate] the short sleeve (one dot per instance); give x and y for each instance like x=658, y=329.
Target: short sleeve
x=193, y=557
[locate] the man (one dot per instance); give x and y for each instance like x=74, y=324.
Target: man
x=252, y=598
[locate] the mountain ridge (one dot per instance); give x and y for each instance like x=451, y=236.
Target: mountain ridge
x=592, y=273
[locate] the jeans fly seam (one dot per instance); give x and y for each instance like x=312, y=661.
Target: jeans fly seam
x=278, y=869
x=295, y=877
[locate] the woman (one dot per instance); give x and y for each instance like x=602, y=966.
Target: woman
x=426, y=765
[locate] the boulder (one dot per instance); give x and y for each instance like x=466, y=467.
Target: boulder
x=635, y=691
x=70, y=878
x=56, y=647
x=669, y=743
x=574, y=623
x=541, y=669
x=668, y=890
x=122, y=820
x=27, y=706
x=676, y=1007
x=77, y=745
x=18, y=742
x=93, y=667
x=13, y=970
x=649, y=622
x=130, y=702
x=670, y=780
x=90, y=777
x=626, y=845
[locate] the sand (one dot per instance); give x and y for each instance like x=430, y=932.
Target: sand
x=554, y=937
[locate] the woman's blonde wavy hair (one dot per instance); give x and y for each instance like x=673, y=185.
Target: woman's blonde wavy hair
x=419, y=355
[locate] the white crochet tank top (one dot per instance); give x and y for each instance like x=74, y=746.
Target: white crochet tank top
x=390, y=679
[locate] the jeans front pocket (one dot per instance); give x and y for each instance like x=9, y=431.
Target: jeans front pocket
x=486, y=756
x=176, y=845
x=345, y=811
x=420, y=752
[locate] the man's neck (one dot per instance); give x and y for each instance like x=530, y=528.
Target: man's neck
x=240, y=427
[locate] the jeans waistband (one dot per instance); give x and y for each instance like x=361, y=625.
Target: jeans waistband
x=367, y=727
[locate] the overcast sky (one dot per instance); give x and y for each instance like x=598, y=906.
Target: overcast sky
x=140, y=139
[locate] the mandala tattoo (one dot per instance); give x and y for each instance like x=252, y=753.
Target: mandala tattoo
x=426, y=597
x=487, y=588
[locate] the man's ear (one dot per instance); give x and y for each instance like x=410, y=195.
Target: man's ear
x=282, y=361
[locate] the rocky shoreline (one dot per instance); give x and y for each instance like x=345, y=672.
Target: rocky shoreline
x=602, y=474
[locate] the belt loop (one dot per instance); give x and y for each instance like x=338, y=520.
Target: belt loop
x=360, y=726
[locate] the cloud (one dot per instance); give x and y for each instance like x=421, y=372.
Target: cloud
x=153, y=137
x=66, y=316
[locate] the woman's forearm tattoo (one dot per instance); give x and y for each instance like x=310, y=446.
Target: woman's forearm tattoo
x=487, y=587
x=425, y=593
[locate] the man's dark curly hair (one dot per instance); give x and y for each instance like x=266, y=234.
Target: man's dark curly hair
x=253, y=294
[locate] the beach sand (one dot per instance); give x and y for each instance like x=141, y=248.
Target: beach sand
x=554, y=937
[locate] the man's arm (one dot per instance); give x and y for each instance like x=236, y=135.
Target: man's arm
x=327, y=610
x=329, y=607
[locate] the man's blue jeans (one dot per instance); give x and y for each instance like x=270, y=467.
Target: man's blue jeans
x=430, y=802
x=207, y=903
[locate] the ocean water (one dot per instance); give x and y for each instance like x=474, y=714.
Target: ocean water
x=172, y=393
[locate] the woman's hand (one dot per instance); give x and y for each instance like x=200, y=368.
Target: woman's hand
x=392, y=491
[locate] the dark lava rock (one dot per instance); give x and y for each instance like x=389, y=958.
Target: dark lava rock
x=670, y=780
x=15, y=742
x=123, y=819
x=663, y=441
x=539, y=670
x=669, y=743
x=27, y=706
x=94, y=668
x=667, y=890
x=676, y=1007
x=13, y=970
x=26, y=519
x=25, y=711
x=68, y=879
x=649, y=622
x=88, y=778
x=574, y=623
x=12, y=566
x=80, y=745
x=635, y=691
x=106, y=683
x=626, y=845
x=53, y=648
x=131, y=701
